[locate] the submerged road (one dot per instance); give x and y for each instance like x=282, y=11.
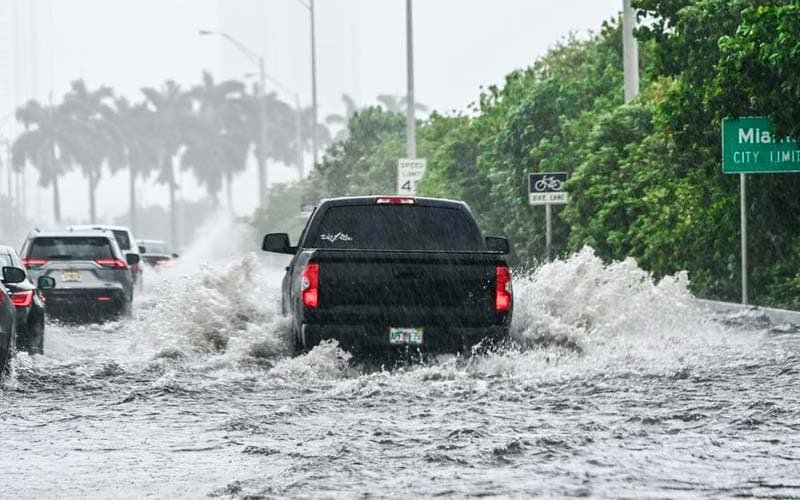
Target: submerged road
x=620, y=388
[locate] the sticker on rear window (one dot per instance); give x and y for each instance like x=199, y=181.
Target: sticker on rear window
x=333, y=238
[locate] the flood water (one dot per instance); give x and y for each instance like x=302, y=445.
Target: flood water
x=618, y=387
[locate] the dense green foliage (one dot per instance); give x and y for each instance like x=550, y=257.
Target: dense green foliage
x=645, y=177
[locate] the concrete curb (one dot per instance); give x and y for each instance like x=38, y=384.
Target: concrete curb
x=775, y=316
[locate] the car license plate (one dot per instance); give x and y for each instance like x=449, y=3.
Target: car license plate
x=410, y=336
x=70, y=276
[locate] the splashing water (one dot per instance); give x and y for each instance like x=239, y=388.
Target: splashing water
x=573, y=315
x=618, y=385
x=612, y=316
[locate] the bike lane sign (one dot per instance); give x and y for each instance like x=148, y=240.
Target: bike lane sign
x=547, y=188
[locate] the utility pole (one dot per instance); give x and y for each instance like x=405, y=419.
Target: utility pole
x=314, y=143
x=411, y=133
x=630, y=52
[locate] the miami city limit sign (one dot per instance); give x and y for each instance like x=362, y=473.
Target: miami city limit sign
x=750, y=147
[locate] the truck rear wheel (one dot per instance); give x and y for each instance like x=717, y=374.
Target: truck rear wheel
x=297, y=347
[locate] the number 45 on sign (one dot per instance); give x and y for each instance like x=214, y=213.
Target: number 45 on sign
x=409, y=173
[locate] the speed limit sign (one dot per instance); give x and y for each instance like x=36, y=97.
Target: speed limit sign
x=409, y=173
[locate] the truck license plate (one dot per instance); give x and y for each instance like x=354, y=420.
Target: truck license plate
x=410, y=336
x=73, y=276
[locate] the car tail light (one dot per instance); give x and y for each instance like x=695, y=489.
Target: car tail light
x=394, y=200
x=33, y=263
x=22, y=299
x=502, y=296
x=103, y=298
x=112, y=263
x=311, y=286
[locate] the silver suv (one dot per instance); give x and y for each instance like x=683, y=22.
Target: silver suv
x=126, y=243
x=93, y=275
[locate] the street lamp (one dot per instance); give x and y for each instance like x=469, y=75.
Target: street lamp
x=262, y=83
x=314, y=145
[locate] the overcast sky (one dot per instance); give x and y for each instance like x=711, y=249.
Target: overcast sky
x=460, y=45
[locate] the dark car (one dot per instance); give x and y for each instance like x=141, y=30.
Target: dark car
x=29, y=303
x=8, y=315
x=156, y=253
x=393, y=273
x=92, y=275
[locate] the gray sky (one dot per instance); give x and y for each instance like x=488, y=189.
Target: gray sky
x=460, y=45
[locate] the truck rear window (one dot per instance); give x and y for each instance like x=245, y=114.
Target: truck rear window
x=71, y=248
x=397, y=227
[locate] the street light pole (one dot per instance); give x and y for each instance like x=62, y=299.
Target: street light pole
x=411, y=133
x=314, y=144
x=314, y=139
x=630, y=52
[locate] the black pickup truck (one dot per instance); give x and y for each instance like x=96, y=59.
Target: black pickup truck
x=389, y=271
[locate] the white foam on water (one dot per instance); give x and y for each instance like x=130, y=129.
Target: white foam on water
x=220, y=312
x=580, y=314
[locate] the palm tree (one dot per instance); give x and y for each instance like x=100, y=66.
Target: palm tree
x=223, y=143
x=133, y=129
x=281, y=129
x=399, y=104
x=350, y=108
x=100, y=143
x=50, y=142
x=172, y=123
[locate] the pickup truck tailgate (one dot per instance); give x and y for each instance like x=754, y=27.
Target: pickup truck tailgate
x=430, y=286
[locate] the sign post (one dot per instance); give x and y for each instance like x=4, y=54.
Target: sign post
x=547, y=188
x=743, y=224
x=409, y=172
x=750, y=147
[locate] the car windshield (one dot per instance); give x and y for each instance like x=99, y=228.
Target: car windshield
x=397, y=227
x=71, y=248
x=122, y=238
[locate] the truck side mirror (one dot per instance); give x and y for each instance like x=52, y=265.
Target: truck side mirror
x=142, y=249
x=46, y=283
x=277, y=243
x=497, y=244
x=132, y=259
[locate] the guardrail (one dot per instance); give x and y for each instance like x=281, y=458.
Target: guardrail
x=775, y=316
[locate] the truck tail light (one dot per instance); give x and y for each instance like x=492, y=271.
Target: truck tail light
x=395, y=200
x=502, y=295
x=112, y=263
x=33, y=263
x=22, y=299
x=311, y=285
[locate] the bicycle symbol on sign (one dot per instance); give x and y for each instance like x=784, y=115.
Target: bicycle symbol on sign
x=548, y=182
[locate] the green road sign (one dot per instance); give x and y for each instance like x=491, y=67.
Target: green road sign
x=748, y=147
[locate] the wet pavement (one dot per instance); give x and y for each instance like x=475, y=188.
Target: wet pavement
x=617, y=387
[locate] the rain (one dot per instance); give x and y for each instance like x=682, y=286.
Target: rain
x=398, y=249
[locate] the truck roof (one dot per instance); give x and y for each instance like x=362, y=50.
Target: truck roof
x=370, y=200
